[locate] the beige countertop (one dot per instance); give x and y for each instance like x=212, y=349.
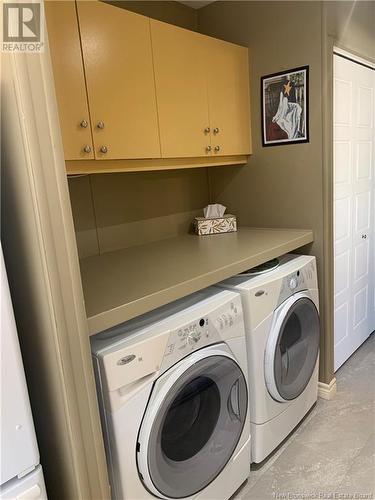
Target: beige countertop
x=126, y=283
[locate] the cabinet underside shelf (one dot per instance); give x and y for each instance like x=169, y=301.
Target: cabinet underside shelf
x=146, y=165
x=126, y=283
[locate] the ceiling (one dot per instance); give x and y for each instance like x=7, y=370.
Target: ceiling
x=197, y=4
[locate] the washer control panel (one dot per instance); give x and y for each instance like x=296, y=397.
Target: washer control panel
x=228, y=318
x=220, y=324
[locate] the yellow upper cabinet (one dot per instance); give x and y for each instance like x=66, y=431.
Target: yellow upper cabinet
x=202, y=88
x=144, y=92
x=116, y=46
x=69, y=78
x=181, y=89
x=229, y=98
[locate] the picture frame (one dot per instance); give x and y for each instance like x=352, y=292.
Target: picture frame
x=285, y=107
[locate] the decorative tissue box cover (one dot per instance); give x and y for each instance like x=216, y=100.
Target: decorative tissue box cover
x=225, y=224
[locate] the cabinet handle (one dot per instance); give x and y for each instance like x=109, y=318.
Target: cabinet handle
x=364, y=236
x=216, y=130
x=208, y=149
x=207, y=130
x=104, y=149
x=87, y=149
x=84, y=124
x=217, y=149
x=100, y=125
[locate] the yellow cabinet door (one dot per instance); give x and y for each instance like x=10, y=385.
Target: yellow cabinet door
x=181, y=88
x=116, y=46
x=229, y=98
x=65, y=48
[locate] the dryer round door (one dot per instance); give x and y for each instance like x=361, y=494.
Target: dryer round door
x=292, y=348
x=193, y=422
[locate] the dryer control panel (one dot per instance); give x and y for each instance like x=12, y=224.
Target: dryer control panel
x=301, y=279
x=223, y=323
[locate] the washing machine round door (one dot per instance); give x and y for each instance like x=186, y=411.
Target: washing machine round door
x=193, y=422
x=292, y=348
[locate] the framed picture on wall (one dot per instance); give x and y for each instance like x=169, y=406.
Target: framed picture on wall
x=285, y=103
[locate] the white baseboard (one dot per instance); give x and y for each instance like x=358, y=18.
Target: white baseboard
x=327, y=391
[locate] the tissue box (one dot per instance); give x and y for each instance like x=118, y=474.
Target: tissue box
x=225, y=224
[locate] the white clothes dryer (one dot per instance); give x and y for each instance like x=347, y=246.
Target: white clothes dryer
x=281, y=311
x=172, y=390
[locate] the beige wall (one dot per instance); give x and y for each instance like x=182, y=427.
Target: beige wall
x=281, y=186
x=113, y=211
x=169, y=12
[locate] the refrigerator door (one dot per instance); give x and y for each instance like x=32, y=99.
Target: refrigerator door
x=30, y=487
x=19, y=450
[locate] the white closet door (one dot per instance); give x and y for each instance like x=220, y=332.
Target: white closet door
x=354, y=111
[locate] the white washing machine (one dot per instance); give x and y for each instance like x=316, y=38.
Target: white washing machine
x=172, y=390
x=281, y=311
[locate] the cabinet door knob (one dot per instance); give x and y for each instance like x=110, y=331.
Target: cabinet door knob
x=207, y=130
x=216, y=130
x=208, y=149
x=217, y=149
x=87, y=149
x=104, y=149
x=100, y=125
x=84, y=124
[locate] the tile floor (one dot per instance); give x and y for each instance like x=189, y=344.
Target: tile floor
x=331, y=454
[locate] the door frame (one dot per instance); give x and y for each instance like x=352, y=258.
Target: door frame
x=43, y=268
x=353, y=57
x=326, y=372
x=356, y=59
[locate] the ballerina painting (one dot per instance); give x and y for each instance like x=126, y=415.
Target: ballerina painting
x=285, y=107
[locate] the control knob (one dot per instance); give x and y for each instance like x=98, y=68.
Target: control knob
x=193, y=337
x=293, y=283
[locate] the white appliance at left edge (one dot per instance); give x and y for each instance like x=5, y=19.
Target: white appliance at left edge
x=21, y=474
x=173, y=395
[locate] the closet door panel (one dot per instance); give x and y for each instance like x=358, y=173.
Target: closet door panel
x=117, y=56
x=181, y=87
x=65, y=48
x=229, y=99
x=353, y=142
